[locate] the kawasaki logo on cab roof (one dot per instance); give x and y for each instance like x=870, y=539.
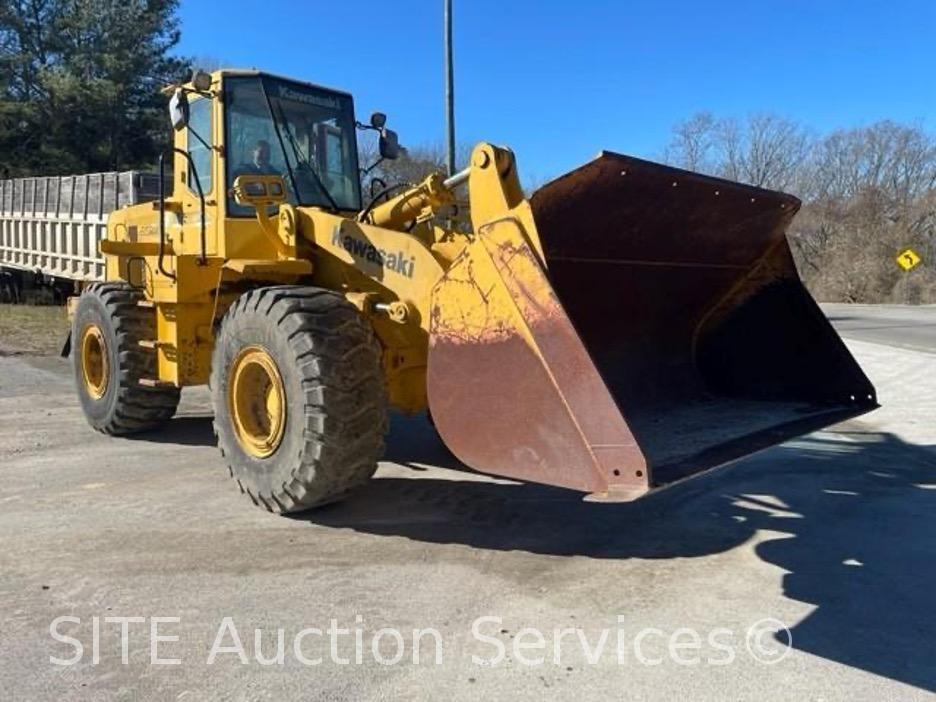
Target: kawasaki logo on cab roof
x=287, y=93
x=398, y=262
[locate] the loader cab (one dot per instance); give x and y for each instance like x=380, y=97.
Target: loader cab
x=306, y=132
x=249, y=122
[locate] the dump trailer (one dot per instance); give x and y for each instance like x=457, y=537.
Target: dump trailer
x=50, y=227
x=628, y=326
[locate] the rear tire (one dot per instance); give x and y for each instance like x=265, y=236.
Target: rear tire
x=109, y=362
x=299, y=398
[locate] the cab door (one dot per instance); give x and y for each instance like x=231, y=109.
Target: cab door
x=200, y=140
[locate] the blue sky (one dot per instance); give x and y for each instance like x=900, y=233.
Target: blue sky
x=558, y=81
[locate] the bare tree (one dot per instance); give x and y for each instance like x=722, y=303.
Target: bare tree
x=896, y=161
x=692, y=141
x=412, y=167
x=764, y=150
x=868, y=193
x=773, y=150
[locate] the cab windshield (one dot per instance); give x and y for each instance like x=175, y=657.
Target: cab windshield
x=302, y=133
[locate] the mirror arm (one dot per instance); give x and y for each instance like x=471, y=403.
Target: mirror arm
x=201, y=93
x=372, y=167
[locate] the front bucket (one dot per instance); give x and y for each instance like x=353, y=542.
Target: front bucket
x=668, y=334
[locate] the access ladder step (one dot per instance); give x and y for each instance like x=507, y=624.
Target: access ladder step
x=153, y=344
x=153, y=383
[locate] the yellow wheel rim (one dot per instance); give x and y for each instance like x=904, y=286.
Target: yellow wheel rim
x=257, y=402
x=95, y=367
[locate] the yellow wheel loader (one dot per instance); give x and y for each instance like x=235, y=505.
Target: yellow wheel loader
x=628, y=326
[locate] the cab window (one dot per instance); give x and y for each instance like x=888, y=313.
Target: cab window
x=301, y=132
x=199, y=149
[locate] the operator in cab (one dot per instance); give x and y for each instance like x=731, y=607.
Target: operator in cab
x=260, y=161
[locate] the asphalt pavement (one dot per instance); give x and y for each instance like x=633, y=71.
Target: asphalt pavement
x=803, y=572
x=904, y=326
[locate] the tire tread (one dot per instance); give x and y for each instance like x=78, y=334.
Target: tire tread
x=138, y=408
x=337, y=357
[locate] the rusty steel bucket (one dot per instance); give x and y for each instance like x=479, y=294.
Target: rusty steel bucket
x=662, y=332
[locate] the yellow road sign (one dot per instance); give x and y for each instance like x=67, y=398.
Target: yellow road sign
x=908, y=259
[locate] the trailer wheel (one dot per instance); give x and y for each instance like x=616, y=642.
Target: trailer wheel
x=9, y=286
x=299, y=398
x=109, y=362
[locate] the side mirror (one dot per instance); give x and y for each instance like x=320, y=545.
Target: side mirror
x=378, y=120
x=259, y=191
x=179, y=109
x=389, y=144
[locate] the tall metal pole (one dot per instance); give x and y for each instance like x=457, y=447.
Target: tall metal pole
x=449, y=92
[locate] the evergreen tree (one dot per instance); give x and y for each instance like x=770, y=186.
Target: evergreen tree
x=80, y=83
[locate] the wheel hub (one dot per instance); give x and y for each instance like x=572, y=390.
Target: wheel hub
x=257, y=402
x=95, y=367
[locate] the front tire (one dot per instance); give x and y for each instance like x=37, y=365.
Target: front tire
x=299, y=398
x=109, y=362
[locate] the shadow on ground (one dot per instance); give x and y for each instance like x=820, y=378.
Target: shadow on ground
x=854, y=513
x=186, y=430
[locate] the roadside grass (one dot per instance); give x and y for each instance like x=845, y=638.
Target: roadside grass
x=32, y=329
